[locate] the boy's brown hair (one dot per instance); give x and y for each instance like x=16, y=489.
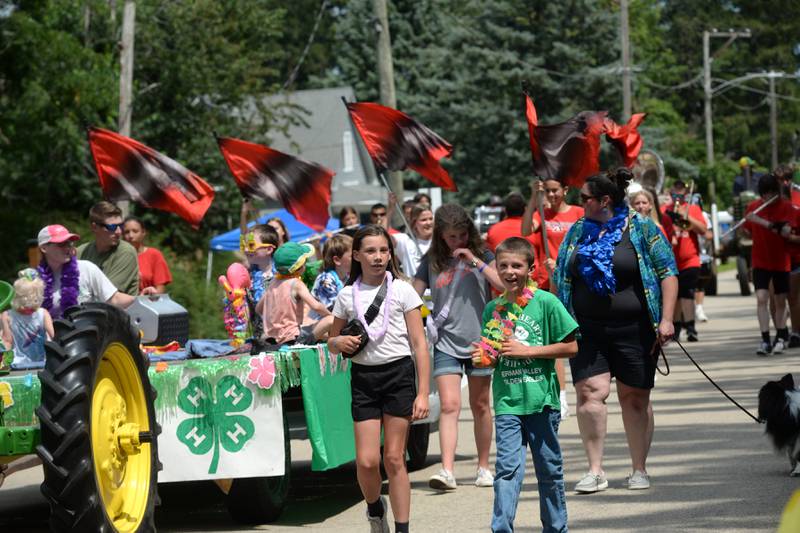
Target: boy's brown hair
x=517, y=246
x=267, y=234
x=102, y=211
x=336, y=246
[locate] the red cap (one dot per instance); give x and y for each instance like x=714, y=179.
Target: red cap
x=56, y=233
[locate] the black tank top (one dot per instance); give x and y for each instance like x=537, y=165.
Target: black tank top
x=627, y=303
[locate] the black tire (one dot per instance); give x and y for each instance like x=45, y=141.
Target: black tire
x=711, y=285
x=417, y=447
x=743, y=275
x=260, y=500
x=89, y=339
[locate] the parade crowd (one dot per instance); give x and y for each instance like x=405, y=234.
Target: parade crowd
x=605, y=284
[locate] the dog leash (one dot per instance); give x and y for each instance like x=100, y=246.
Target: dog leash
x=748, y=413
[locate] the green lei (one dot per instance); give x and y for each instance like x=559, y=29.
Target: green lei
x=501, y=326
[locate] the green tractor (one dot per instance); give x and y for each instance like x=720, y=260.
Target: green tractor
x=90, y=420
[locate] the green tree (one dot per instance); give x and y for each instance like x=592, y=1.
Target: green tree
x=459, y=68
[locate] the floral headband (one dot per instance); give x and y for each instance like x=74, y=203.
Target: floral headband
x=29, y=274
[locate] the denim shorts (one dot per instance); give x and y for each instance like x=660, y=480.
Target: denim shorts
x=444, y=364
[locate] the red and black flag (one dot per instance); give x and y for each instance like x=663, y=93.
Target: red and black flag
x=626, y=139
x=303, y=187
x=396, y=141
x=129, y=170
x=568, y=152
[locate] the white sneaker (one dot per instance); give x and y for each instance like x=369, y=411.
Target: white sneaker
x=779, y=346
x=379, y=524
x=764, y=348
x=592, y=483
x=562, y=399
x=484, y=478
x=638, y=480
x=442, y=480
x=699, y=314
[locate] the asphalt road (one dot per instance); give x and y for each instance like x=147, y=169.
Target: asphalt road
x=712, y=468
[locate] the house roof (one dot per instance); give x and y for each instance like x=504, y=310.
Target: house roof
x=321, y=132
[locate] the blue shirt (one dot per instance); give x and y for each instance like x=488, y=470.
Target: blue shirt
x=326, y=288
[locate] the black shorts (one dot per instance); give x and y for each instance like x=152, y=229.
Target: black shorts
x=625, y=349
x=383, y=389
x=704, y=276
x=780, y=280
x=687, y=282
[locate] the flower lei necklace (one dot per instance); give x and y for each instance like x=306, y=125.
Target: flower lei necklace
x=595, y=251
x=501, y=326
x=374, y=333
x=70, y=276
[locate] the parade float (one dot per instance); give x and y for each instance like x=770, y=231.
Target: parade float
x=110, y=422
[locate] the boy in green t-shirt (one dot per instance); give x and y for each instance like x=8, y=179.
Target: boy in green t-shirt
x=528, y=329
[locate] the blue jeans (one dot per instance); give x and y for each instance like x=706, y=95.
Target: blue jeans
x=540, y=432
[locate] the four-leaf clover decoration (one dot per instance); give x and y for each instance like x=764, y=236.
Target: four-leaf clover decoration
x=213, y=420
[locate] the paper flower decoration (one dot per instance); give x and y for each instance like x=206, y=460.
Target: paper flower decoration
x=262, y=371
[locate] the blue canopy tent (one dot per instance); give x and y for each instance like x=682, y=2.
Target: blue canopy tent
x=229, y=241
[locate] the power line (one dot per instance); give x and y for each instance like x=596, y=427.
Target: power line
x=310, y=41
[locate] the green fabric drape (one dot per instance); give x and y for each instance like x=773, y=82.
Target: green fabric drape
x=325, y=383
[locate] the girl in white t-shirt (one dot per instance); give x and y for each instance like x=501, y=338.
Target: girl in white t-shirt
x=410, y=250
x=382, y=374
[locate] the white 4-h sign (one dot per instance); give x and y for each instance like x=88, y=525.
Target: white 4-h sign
x=223, y=428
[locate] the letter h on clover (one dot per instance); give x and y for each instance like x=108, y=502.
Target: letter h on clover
x=214, y=421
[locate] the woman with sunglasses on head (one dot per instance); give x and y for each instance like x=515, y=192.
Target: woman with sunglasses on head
x=70, y=281
x=617, y=275
x=153, y=269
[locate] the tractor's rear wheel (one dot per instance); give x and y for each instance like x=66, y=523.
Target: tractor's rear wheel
x=98, y=425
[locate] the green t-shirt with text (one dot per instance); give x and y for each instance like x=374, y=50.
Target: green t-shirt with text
x=527, y=386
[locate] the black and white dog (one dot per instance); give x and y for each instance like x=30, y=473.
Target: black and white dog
x=779, y=407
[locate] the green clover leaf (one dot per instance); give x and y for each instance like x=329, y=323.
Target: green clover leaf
x=213, y=421
x=234, y=431
x=232, y=396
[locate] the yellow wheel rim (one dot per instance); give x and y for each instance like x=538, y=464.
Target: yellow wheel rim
x=122, y=462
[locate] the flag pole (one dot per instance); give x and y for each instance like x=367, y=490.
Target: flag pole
x=381, y=175
x=542, y=224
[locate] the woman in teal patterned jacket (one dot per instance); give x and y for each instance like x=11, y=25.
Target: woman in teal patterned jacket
x=617, y=276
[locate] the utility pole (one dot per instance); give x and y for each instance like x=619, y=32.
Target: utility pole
x=707, y=59
x=126, y=77
x=386, y=77
x=773, y=117
x=626, y=60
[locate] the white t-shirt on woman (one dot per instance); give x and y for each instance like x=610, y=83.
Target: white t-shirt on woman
x=395, y=344
x=409, y=253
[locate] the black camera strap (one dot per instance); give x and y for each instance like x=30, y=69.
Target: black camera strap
x=375, y=306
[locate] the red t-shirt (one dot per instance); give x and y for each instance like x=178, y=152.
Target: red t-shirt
x=687, y=249
x=770, y=250
x=557, y=225
x=508, y=227
x=153, y=269
x=794, y=249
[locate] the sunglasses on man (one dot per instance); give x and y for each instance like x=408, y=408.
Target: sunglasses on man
x=111, y=228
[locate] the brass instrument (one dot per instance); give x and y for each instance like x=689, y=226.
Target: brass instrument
x=648, y=171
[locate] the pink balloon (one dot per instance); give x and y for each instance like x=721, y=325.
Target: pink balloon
x=238, y=276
